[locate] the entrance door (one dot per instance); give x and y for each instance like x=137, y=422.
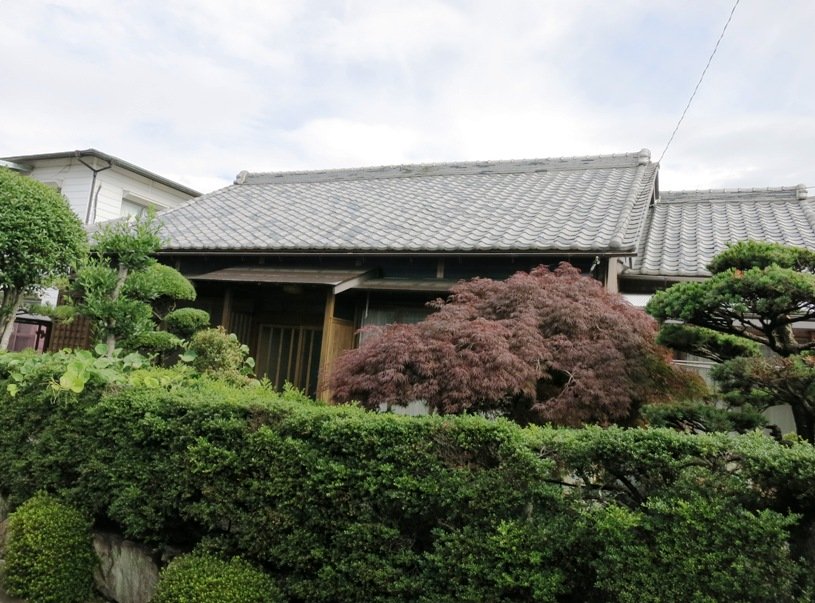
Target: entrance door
x=287, y=353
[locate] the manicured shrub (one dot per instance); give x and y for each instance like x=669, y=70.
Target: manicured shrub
x=184, y=322
x=343, y=505
x=694, y=549
x=49, y=557
x=204, y=578
x=158, y=282
x=154, y=342
x=216, y=351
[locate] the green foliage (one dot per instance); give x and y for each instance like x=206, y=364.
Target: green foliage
x=184, y=322
x=158, y=281
x=123, y=291
x=128, y=243
x=758, y=292
x=203, y=578
x=511, y=561
x=733, y=301
x=66, y=370
x=760, y=254
x=705, y=342
x=218, y=352
x=154, y=342
x=40, y=239
x=695, y=417
x=342, y=505
x=49, y=557
x=699, y=550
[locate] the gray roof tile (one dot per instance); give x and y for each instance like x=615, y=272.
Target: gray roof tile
x=573, y=204
x=685, y=229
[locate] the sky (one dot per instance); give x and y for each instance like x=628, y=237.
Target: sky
x=198, y=90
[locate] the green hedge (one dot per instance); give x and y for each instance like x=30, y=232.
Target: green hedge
x=204, y=578
x=339, y=504
x=49, y=557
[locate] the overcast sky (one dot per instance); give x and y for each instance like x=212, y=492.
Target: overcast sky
x=197, y=90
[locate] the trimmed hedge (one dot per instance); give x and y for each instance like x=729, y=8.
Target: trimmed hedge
x=339, y=504
x=186, y=321
x=204, y=578
x=49, y=557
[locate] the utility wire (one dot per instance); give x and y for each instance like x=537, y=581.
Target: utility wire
x=701, y=77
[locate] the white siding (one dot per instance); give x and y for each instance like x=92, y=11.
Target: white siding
x=72, y=179
x=115, y=183
x=112, y=186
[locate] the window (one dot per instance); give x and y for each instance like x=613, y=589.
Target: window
x=136, y=205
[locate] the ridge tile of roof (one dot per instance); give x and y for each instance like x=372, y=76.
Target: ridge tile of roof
x=592, y=204
x=685, y=229
x=448, y=169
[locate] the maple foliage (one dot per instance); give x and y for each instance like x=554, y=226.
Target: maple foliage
x=544, y=346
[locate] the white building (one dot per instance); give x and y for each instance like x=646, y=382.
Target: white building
x=99, y=186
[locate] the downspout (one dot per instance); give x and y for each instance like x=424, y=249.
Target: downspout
x=91, y=211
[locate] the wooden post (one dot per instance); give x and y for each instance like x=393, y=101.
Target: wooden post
x=612, y=267
x=226, y=313
x=323, y=392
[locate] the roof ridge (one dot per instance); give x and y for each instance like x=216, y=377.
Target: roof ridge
x=642, y=157
x=736, y=195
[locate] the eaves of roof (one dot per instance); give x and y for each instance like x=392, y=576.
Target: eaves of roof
x=27, y=160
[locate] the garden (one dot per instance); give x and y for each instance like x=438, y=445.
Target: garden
x=555, y=465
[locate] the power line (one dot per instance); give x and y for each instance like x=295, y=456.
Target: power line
x=701, y=77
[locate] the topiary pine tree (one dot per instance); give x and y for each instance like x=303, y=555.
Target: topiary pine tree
x=40, y=239
x=540, y=346
x=757, y=295
x=121, y=289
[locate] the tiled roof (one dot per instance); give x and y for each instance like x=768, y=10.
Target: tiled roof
x=577, y=204
x=685, y=229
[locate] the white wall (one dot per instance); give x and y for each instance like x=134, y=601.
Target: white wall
x=72, y=178
x=111, y=187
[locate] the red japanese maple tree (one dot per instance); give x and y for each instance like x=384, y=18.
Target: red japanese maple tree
x=543, y=346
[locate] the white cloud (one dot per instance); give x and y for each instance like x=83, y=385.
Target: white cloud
x=200, y=89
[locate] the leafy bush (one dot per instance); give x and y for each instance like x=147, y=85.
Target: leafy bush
x=216, y=351
x=342, y=505
x=66, y=370
x=41, y=238
x=49, y=556
x=698, y=417
x=158, y=281
x=154, y=342
x=184, y=322
x=696, y=550
x=202, y=578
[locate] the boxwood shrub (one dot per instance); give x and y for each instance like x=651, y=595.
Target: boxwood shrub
x=203, y=578
x=48, y=555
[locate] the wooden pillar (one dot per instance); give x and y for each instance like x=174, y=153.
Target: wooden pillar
x=323, y=392
x=612, y=267
x=226, y=313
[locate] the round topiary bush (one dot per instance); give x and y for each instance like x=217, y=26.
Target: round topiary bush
x=204, y=578
x=49, y=555
x=186, y=321
x=217, y=351
x=154, y=342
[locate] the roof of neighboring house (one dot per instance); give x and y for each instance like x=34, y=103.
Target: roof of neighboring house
x=26, y=161
x=577, y=204
x=685, y=229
